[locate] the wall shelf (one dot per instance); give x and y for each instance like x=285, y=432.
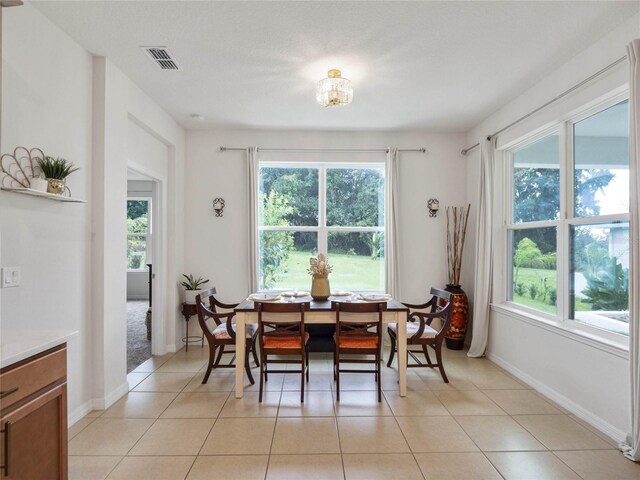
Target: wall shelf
x=38, y=193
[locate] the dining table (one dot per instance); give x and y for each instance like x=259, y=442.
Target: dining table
x=320, y=312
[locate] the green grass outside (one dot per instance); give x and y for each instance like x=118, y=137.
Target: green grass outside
x=350, y=272
x=528, y=276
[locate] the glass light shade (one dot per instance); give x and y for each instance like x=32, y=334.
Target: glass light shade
x=334, y=90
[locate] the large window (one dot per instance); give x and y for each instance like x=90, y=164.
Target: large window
x=334, y=209
x=138, y=233
x=573, y=267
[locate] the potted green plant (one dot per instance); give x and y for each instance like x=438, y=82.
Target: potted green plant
x=192, y=287
x=56, y=170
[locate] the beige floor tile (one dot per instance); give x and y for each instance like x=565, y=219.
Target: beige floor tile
x=362, y=404
x=220, y=381
x=316, y=404
x=531, y=465
x=134, y=378
x=152, y=468
x=275, y=383
x=521, y=402
x=182, y=364
x=240, y=435
x=196, y=405
x=415, y=383
x=152, y=364
x=559, y=432
x=415, y=404
x=77, y=427
x=248, y=405
x=592, y=429
x=317, y=381
x=381, y=467
x=357, y=381
x=295, y=467
x=91, y=468
x=495, y=380
x=371, y=435
x=109, y=436
x=305, y=435
x=434, y=381
x=164, y=382
x=140, y=405
x=174, y=437
x=468, y=402
x=456, y=466
x=94, y=414
x=601, y=464
x=498, y=433
x=229, y=467
x=435, y=434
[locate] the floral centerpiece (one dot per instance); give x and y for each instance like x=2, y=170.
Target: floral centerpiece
x=319, y=269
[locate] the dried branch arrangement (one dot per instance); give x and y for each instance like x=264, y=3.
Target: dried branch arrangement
x=457, y=218
x=319, y=266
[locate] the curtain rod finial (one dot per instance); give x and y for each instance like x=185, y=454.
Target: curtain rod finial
x=222, y=149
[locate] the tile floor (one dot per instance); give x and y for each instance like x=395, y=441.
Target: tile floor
x=484, y=424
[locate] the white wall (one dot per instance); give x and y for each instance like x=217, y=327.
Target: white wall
x=216, y=247
x=49, y=240
x=73, y=255
x=590, y=380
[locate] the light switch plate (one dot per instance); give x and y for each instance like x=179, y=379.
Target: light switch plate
x=10, y=277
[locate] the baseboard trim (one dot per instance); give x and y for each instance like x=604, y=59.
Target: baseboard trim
x=171, y=348
x=79, y=412
x=579, y=411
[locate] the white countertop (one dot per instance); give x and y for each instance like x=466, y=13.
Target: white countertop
x=17, y=345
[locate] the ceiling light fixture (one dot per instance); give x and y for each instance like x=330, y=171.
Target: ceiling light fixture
x=334, y=90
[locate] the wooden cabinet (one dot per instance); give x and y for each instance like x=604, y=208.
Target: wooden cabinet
x=33, y=417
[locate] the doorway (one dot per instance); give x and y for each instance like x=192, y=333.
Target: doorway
x=140, y=258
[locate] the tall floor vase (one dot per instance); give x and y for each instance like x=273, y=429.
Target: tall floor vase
x=455, y=336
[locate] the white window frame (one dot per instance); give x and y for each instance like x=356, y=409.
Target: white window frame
x=148, y=237
x=322, y=229
x=564, y=128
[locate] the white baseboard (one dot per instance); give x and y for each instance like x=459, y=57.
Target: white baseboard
x=138, y=297
x=79, y=412
x=171, y=348
x=579, y=411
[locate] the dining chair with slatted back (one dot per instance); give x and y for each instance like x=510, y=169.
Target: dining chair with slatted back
x=223, y=334
x=358, y=336
x=420, y=331
x=281, y=333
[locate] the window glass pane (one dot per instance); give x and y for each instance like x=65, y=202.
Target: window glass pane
x=599, y=280
x=601, y=161
x=284, y=259
x=355, y=197
x=137, y=216
x=357, y=259
x=533, y=263
x=288, y=196
x=536, y=181
x=136, y=252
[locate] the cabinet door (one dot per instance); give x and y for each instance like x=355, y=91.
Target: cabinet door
x=34, y=438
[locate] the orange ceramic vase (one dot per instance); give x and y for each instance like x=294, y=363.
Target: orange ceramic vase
x=458, y=329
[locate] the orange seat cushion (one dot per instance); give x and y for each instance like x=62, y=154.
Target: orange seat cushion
x=275, y=341
x=358, y=342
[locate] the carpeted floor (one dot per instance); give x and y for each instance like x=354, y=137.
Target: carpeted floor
x=138, y=347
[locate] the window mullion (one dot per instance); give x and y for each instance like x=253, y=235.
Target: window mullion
x=562, y=233
x=322, y=216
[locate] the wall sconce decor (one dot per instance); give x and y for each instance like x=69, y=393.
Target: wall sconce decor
x=218, y=206
x=433, y=205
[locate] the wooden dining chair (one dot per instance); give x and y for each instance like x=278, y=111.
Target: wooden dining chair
x=224, y=333
x=420, y=332
x=358, y=336
x=283, y=335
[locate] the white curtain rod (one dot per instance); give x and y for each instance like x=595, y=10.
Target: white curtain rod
x=562, y=95
x=328, y=150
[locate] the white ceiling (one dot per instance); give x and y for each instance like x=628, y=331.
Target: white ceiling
x=440, y=66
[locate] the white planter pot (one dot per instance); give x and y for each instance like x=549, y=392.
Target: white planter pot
x=190, y=296
x=39, y=184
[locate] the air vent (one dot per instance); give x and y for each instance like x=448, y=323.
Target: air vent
x=161, y=57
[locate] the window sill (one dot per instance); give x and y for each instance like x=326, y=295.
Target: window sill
x=572, y=332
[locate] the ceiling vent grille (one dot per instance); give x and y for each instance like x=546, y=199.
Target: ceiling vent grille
x=161, y=57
